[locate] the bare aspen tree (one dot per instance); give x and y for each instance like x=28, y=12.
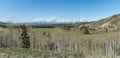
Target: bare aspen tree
x=10, y=26
x=1, y=41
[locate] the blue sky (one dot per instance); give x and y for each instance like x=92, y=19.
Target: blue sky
x=29, y=10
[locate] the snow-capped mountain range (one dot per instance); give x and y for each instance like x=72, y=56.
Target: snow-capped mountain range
x=53, y=20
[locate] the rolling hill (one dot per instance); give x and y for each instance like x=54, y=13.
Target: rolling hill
x=111, y=23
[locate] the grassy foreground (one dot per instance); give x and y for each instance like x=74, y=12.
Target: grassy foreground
x=26, y=53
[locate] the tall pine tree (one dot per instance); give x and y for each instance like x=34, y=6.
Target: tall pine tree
x=25, y=41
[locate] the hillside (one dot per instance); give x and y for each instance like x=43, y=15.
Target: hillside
x=111, y=23
x=115, y=19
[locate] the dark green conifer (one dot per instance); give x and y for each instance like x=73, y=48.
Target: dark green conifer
x=25, y=41
x=86, y=31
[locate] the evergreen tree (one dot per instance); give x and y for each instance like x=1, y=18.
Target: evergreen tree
x=106, y=30
x=86, y=30
x=25, y=41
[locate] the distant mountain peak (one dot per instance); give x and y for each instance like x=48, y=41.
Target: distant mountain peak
x=55, y=20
